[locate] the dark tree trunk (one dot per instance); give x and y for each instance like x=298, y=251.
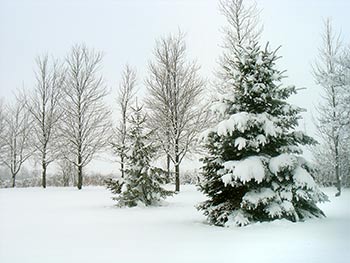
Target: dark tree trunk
x=122, y=166
x=177, y=174
x=80, y=173
x=177, y=166
x=13, y=180
x=44, y=177
x=44, y=166
x=168, y=165
x=177, y=178
x=337, y=169
x=80, y=177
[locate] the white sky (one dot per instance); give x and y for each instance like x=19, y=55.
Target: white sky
x=125, y=30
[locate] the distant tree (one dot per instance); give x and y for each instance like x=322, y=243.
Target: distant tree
x=173, y=100
x=2, y=130
x=142, y=182
x=42, y=103
x=242, y=27
x=85, y=125
x=17, y=138
x=126, y=92
x=333, y=117
x=345, y=82
x=67, y=172
x=242, y=23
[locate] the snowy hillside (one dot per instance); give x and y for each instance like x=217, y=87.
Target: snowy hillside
x=67, y=225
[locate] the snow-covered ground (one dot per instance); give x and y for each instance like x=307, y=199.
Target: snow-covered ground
x=66, y=225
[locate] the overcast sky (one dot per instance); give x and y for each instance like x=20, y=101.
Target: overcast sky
x=125, y=30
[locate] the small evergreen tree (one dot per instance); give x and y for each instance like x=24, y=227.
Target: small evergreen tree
x=142, y=182
x=252, y=171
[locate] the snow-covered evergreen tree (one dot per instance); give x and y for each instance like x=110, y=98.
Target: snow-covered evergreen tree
x=142, y=182
x=253, y=171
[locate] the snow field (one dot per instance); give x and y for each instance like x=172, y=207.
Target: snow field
x=67, y=225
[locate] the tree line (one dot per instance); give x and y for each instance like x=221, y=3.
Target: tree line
x=64, y=117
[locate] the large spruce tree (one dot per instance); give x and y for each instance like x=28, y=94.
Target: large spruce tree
x=253, y=170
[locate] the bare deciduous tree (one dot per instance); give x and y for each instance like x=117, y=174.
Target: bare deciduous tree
x=2, y=130
x=242, y=28
x=42, y=103
x=85, y=124
x=67, y=172
x=17, y=138
x=332, y=118
x=126, y=92
x=174, y=92
x=243, y=22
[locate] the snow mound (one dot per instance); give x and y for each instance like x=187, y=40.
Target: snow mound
x=303, y=178
x=253, y=198
x=286, y=195
x=274, y=210
x=282, y=162
x=261, y=139
x=240, y=143
x=237, y=218
x=238, y=121
x=245, y=170
x=219, y=107
x=243, y=121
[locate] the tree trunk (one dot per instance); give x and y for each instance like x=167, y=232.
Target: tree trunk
x=168, y=165
x=177, y=174
x=80, y=173
x=177, y=178
x=65, y=179
x=337, y=169
x=80, y=177
x=44, y=176
x=80, y=170
x=13, y=180
x=122, y=166
x=44, y=166
x=177, y=166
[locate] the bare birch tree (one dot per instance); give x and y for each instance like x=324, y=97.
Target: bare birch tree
x=332, y=118
x=17, y=138
x=174, y=93
x=42, y=103
x=85, y=124
x=126, y=93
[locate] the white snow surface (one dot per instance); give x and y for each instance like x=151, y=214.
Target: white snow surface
x=67, y=225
